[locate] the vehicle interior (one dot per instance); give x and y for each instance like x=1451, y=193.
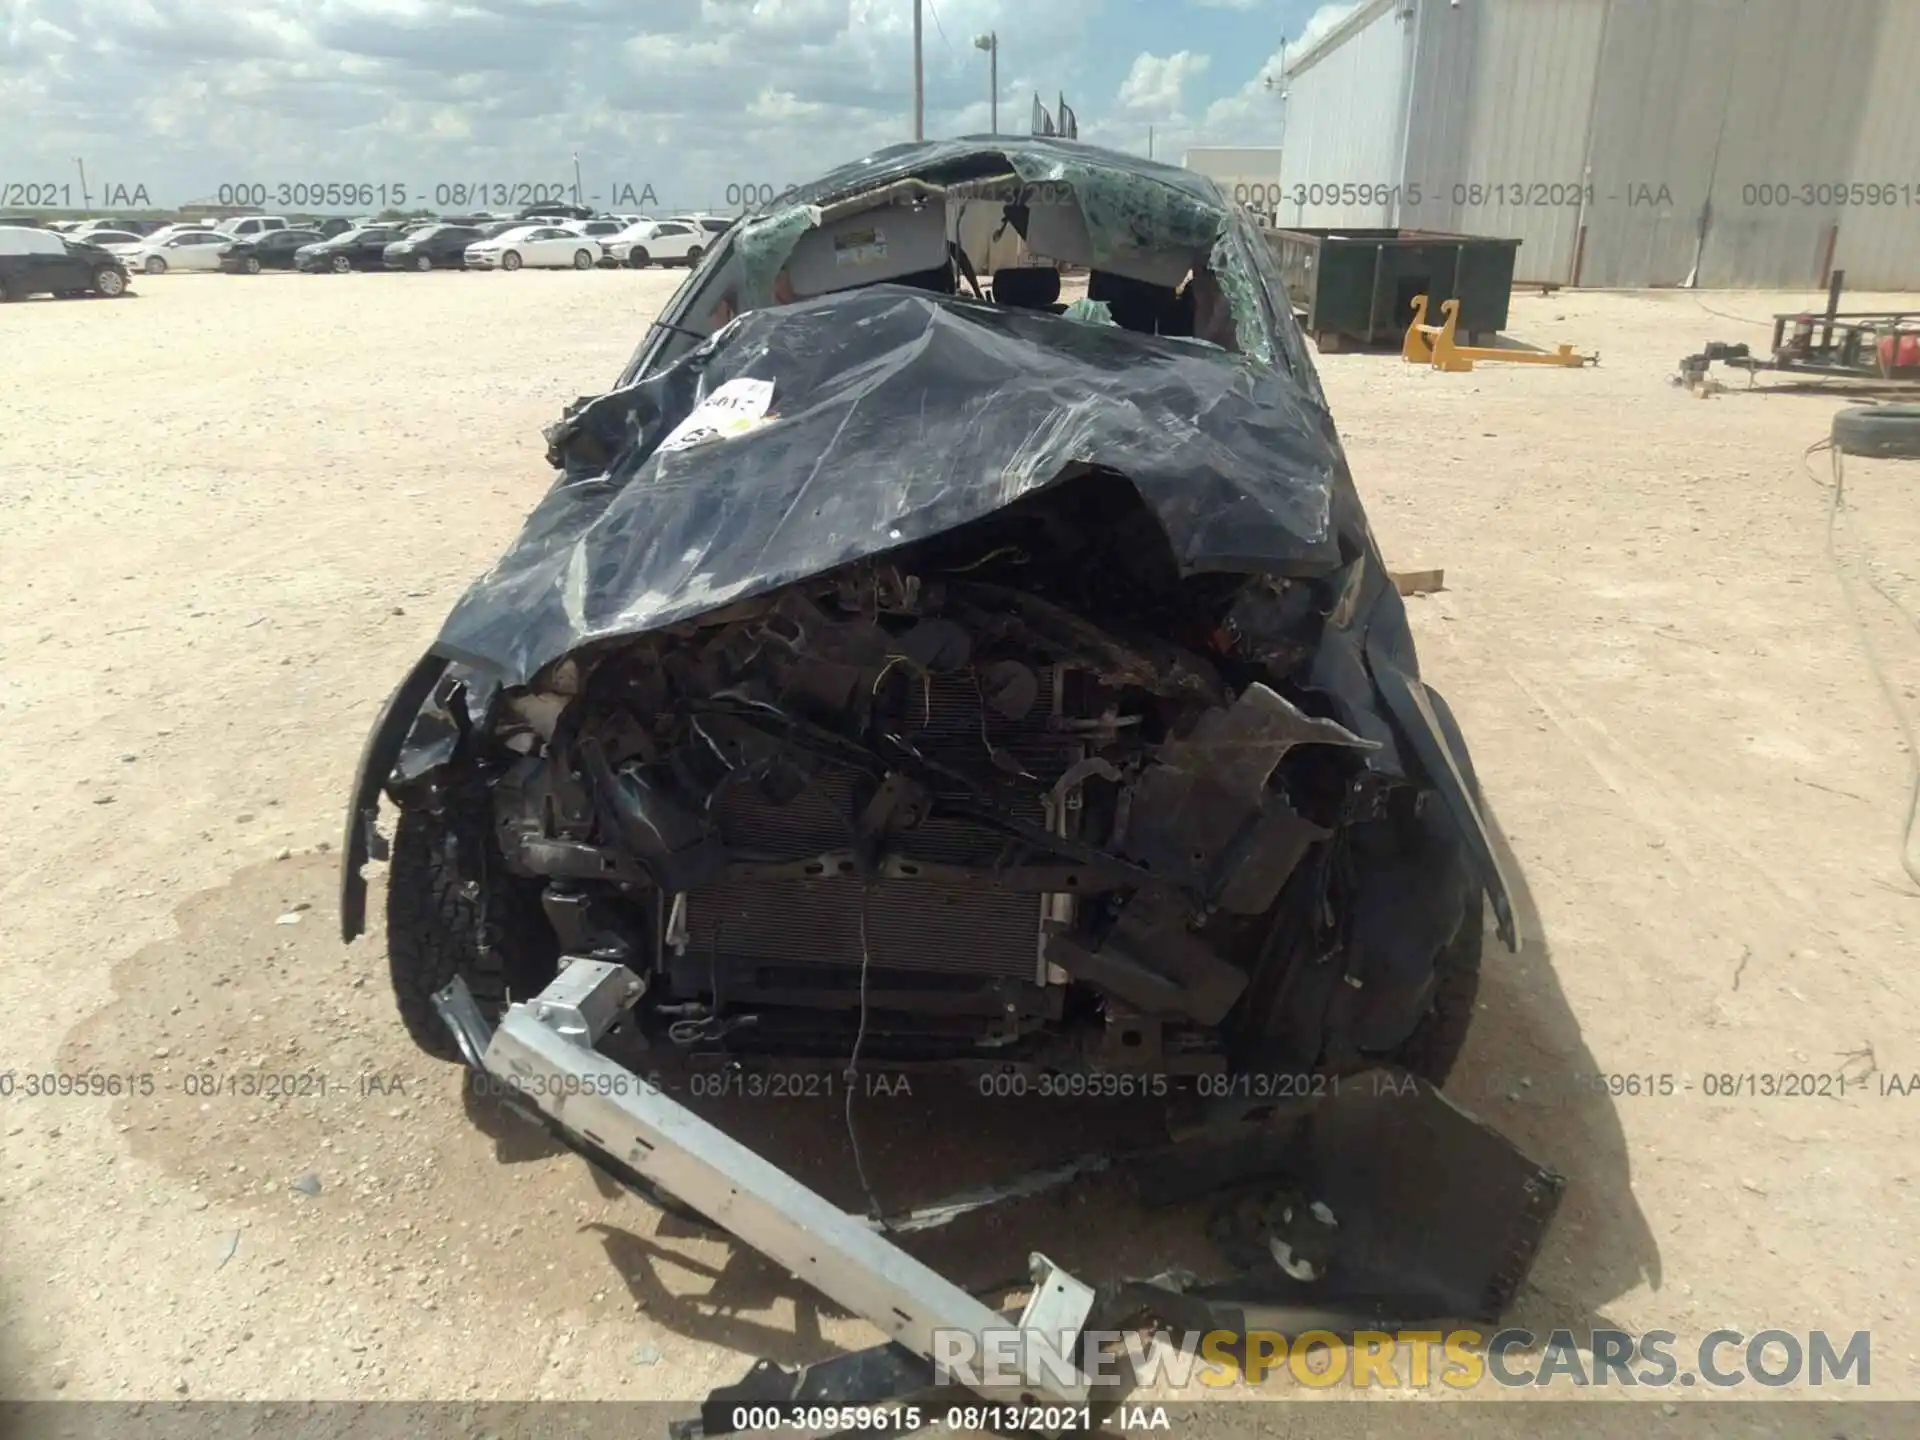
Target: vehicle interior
x=918, y=234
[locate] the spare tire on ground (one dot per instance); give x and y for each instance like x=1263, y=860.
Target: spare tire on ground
x=1883, y=431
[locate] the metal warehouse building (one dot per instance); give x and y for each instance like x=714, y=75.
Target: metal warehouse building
x=1623, y=142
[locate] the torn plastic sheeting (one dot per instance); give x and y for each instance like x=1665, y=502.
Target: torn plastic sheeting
x=896, y=416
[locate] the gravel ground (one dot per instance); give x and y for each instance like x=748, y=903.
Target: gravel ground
x=233, y=510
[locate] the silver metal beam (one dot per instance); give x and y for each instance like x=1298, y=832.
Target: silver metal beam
x=550, y=1063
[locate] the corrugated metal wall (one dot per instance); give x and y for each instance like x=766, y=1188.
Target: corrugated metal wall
x=1498, y=140
x=1661, y=88
x=1879, y=244
x=1714, y=99
x=1712, y=133
x=1345, y=120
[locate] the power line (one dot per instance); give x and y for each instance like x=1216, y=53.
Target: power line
x=942, y=32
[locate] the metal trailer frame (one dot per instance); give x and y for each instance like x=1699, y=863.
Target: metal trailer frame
x=1833, y=345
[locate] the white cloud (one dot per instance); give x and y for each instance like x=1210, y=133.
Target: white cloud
x=1252, y=115
x=688, y=96
x=1156, y=85
x=1255, y=114
x=1321, y=22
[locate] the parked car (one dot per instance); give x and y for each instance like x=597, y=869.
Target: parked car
x=272, y=250
x=110, y=240
x=600, y=227
x=34, y=261
x=194, y=248
x=712, y=224
x=764, y=713
x=350, y=250
x=659, y=242
x=555, y=210
x=540, y=246
x=173, y=228
x=243, y=227
x=433, y=247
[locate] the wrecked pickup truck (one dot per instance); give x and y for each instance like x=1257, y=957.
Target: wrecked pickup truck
x=911, y=665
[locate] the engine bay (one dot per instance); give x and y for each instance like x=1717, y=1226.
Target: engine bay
x=1018, y=793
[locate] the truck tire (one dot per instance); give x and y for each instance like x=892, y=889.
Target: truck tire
x=453, y=909
x=1888, y=432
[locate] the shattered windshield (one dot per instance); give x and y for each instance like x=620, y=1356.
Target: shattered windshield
x=1136, y=246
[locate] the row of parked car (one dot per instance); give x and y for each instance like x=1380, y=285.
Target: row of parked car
x=635, y=241
x=250, y=244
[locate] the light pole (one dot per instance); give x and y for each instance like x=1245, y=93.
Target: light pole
x=919, y=81
x=990, y=42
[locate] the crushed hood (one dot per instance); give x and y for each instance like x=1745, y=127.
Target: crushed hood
x=895, y=415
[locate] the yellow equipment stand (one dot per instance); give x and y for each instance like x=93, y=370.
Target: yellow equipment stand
x=1443, y=354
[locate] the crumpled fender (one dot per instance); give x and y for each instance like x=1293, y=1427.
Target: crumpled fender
x=1434, y=737
x=377, y=759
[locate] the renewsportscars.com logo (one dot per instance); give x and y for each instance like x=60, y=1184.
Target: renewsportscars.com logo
x=1457, y=1359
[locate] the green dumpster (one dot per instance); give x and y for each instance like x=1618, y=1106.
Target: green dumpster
x=1360, y=284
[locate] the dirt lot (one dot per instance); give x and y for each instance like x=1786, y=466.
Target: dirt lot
x=232, y=511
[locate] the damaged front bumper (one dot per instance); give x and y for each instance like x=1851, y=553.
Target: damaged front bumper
x=1379, y=1203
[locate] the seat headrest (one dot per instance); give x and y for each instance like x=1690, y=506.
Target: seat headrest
x=1030, y=287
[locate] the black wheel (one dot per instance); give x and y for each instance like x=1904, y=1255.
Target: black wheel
x=253, y=264
x=423, y=262
x=10, y=290
x=452, y=909
x=156, y=266
x=1435, y=1045
x=510, y=260
x=340, y=264
x=583, y=259
x=1890, y=432
x=693, y=257
x=638, y=257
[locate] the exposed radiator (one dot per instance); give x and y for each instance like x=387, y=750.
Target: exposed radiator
x=911, y=926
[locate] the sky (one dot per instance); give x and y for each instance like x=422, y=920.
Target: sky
x=666, y=103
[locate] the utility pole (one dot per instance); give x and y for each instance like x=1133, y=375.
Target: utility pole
x=990, y=42
x=576, y=179
x=86, y=195
x=1149, y=142
x=919, y=81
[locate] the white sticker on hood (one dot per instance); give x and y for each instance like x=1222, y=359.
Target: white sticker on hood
x=731, y=411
